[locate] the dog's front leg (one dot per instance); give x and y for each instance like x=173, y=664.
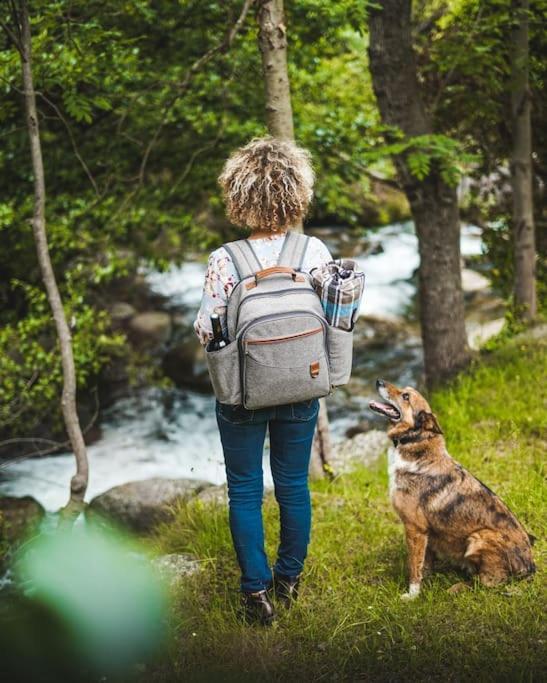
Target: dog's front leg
x=416, y=542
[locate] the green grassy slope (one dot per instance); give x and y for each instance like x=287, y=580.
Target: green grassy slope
x=350, y=623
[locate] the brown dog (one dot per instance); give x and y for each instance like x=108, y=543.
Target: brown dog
x=445, y=510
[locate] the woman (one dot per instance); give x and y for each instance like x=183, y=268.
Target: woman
x=267, y=187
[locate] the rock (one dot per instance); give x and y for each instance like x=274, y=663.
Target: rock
x=185, y=364
x=364, y=449
x=150, y=329
x=479, y=333
x=359, y=428
x=140, y=505
x=377, y=333
x=113, y=381
x=121, y=312
x=19, y=517
x=538, y=332
x=473, y=281
x=213, y=494
x=174, y=567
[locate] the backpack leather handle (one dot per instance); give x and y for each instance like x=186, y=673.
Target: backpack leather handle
x=275, y=270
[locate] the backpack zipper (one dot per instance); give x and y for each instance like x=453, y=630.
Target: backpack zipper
x=287, y=337
x=280, y=292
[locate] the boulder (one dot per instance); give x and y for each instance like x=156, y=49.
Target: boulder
x=19, y=517
x=140, y=505
x=213, y=494
x=113, y=381
x=479, y=333
x=185, y=364
x=359, y=428
x=473, y=281
x=365, y=449
x=150, y=329
x=176, y=566
x=121, y=312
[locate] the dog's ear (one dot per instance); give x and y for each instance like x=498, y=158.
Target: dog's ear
x=427, y=422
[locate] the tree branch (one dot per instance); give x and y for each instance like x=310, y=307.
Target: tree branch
x=14, y=35
x=183, y=85
x=72, y=140
x=55, y=445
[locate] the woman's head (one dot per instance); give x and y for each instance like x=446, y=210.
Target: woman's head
x=267, y=184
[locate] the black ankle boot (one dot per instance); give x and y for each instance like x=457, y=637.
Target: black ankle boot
x=257, y=608
x=286, y=589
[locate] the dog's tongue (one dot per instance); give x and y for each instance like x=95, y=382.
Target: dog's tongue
x=383, y=408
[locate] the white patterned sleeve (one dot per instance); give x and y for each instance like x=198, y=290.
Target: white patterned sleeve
x=220, y=279
x=317, y=254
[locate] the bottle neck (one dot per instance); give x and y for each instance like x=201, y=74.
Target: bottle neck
x=217, y=328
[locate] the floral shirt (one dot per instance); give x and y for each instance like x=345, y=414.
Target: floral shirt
x=221, y=277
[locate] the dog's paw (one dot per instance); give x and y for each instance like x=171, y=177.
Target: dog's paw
x=413, y=592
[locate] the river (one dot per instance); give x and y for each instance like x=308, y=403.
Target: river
x=172, y=433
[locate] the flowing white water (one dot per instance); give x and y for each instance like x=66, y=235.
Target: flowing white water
x=388, y=271
x=173, y=434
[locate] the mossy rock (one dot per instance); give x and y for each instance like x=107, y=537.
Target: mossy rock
x=19, y=517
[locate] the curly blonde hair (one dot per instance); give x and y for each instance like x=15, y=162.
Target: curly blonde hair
x=267, y=184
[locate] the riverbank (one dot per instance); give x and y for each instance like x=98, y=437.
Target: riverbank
x=350, y=623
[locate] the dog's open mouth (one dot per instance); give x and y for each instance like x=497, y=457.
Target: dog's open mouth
x=387, y=409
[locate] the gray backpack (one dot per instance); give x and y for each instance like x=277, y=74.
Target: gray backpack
x=281, y=350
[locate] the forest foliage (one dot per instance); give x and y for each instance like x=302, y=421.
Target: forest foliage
x=136, y=124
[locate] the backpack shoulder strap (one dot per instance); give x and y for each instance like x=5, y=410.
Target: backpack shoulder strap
x=294, y=249
x=243, y=257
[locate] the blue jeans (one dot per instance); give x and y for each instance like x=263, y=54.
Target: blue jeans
x=242, y=433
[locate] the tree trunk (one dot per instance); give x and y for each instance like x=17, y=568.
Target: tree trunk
x=521, y=167
x=433, y=203
x=272, y=41
x=78, y=484
x=321, y=453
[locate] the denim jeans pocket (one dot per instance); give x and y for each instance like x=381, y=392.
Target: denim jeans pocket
x=305, y=410
x=237, y=415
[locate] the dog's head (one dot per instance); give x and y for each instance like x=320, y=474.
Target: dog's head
x=405, y=408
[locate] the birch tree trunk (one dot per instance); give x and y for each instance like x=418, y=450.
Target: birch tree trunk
x=78, y=484
x=272, y=41
x=521, y=167
x=433, y=203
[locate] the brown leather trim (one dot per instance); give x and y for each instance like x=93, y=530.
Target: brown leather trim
x=273, y=340
x=275, y=270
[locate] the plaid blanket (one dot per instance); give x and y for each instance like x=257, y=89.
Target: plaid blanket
x=340, y=287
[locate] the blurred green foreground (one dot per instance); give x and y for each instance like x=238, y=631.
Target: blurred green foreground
x=87, y=605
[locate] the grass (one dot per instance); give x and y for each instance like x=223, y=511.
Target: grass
x=350, y=623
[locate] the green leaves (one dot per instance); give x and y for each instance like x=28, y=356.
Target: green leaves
x=419, y=164
x=78, y=106
x=30, y=364
x=421, y=152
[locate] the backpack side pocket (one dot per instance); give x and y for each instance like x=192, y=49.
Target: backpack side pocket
x=340, y=344
x=224, y=373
